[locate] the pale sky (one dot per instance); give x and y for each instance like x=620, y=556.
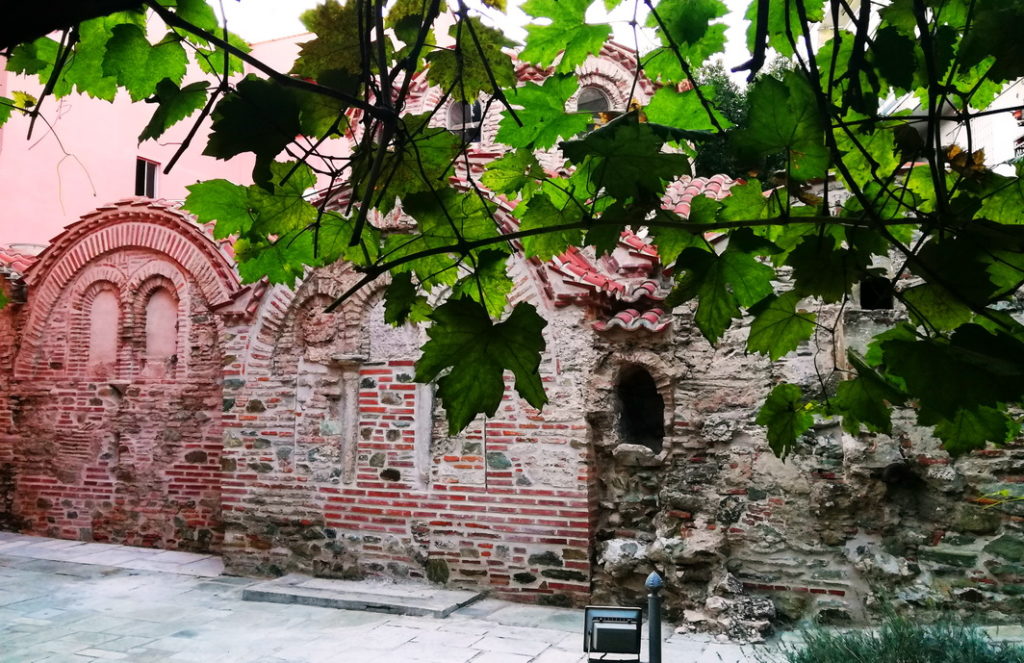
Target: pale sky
x=261, y=20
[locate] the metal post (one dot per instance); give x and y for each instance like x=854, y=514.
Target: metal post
x=654, y=583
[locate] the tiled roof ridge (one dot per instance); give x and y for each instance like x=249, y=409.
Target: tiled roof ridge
x=606, y=285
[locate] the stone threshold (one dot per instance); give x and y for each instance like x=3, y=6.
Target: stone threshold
x=377, y=595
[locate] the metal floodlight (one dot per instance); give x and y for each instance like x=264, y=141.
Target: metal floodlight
x=612, y=630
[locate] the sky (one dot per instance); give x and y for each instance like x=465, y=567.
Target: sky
x=262, y=20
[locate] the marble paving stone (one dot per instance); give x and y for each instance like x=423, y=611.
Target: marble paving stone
x=565, y=656
x=431, y=653
x=496, y=643
x=501, y=657
x=103, y=654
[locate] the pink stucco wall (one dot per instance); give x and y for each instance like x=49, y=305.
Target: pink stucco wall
x=87, y=158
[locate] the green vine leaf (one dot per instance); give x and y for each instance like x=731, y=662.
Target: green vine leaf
x=476, y=352
x=786, y=417
x=778, y=327
x=568, y=34
x=543, y=115
x=138, y=65
x=175, y=104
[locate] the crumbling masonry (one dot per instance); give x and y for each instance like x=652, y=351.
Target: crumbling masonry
x=149, y=398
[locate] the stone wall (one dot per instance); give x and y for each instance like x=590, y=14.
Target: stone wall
x=114, y=398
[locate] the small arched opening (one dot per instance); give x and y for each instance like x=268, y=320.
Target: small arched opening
x=465, y=120
x=641, y=409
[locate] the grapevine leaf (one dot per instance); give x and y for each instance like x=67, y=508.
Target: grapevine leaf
x=683, y=109
x=138, y=65
x=280, y=260
x=567, y=34
x=778, y=327
x=543, y=115
x=866, y=400
x=931, y=304
x=175, y=104
x=786, y=418
x=820, y=269
x=223, y=202
x=512, y=172
x=686, y=27
x=336, y=46
x=989, y=369
x=971, y=429
x=403, y=303
x=476, y=353
x=488, y=284
x=258, y=117
x=1005, y=203
x=540, y=212
x=783, y=21
x=467, y=69
x=784, y=117
x=722, y=283
x=629, y=162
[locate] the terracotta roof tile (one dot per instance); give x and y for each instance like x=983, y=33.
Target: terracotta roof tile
x=14, y=263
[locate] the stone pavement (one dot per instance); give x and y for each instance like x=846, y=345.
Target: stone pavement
x=64, y=602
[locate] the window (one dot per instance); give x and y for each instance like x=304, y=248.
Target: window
x=875, y=294
x=465, y=119
x=593, y=100
x=145, y=177
x=641, y=409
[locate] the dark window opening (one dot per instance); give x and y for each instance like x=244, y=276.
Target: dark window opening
x=876, y=294
x=145, y=178
x=641, y=409
x=594, y=101
x=465, y=119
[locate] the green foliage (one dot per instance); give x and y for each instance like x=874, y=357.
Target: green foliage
x=467, y=70
x=175, y=104
x=543, y=118
x=900, y=640
x=567, y=35
x=476, y=352
x=950, y=227
x=786, y=417
x=778, y=327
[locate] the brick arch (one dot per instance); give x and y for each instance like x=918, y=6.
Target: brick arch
x=129, y=224
x=281, y=307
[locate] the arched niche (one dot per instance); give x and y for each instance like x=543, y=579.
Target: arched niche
x=640, y=408
x=104, y=316
x=161, y=331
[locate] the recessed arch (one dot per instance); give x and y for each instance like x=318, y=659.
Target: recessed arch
x=129, y=224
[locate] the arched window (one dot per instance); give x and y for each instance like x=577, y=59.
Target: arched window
x=161, y=327
x=104, y=322
x=593, y=100
x=641, y=409
x=875, y=293
x=465, y=120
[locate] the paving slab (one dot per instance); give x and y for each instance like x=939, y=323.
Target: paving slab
x=372, y=595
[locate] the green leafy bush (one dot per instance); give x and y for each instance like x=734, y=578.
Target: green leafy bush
x=902, y=641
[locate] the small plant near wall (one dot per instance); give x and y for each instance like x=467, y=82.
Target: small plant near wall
x=900, y=640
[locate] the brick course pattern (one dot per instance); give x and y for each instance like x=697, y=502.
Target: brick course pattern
x=149, y=398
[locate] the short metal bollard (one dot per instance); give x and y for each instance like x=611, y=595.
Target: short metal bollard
x=655, y=584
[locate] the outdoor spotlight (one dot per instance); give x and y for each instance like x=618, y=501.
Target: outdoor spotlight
x=612, y=630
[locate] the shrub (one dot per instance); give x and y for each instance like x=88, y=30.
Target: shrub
x=902, y=641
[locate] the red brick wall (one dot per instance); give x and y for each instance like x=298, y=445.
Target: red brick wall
x=504, y=505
